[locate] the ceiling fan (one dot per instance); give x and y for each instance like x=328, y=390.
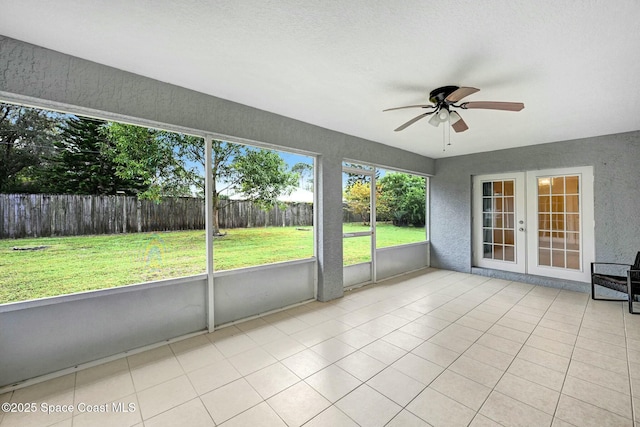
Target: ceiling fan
x=445, y=99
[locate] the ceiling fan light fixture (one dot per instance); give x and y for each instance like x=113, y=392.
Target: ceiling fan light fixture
x=454, y=118
x=440, y=117
x=435, y=120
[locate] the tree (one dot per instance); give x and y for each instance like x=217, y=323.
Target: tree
x=148, y=155
x=404, y=195
x=26, y=137
x=83, y=164
x=262, y=177
x=358, y=199
x=259, y=175
x=305, y=175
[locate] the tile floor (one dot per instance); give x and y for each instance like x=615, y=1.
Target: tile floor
x=434, y=348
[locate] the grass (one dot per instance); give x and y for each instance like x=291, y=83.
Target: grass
x=81, y=263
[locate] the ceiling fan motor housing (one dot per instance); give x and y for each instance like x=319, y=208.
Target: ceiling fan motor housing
x=437, y=96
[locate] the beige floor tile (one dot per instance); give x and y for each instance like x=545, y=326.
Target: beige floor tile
x=557, y=422
x=510, y=412
x=601, y=347
x=192, y=413
x=518, y=325
x=154, y=367
x=552, y=346
x=418, y=368
x=432, y=322
x=383, y=351
x=443, y=314
x=597, y=375
x=356, y=338
x=607, y=337
x=213, y=376
x=165, y=396
x=501, y=344
x=361, y=365
x=537, y=373
x=559, y=326
x=491, y=357
x=251, y=360
x=612, y=364
x=477, y=371
x=367, y=407
x=436, y=354
x=513, y=317
x=272, y=380
x=470, y=321
x=284, y=347
x=461, y=389
x=234, y=344
x=544, y=358
x=396, y=385
x=230, y=400
x=451, y=341
x=122, y=412
x=556, y=335
x=407, y=419
x=333, y=349
x=481, y=421
x=333, y=417
x=563, y=318
x=58, y=391
x=439, y=410
x=528, y=392
x=298, y=404
x=463, y=332
x=599, y=396
x=260, y=415
x=305, y=363
x=583, y=414
x=103, y=383
x=333, y=382
x=403, y=340
x=196, y=352
x=509, y=333
x=480, y=314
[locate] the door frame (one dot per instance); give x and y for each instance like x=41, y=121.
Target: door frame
x=519, y=266
x=529, y=264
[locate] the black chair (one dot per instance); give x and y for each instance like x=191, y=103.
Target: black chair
x=628, y=284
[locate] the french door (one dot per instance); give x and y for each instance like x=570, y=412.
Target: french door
x=536, y=222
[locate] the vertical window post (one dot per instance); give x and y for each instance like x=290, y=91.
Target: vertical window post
x=209, y=229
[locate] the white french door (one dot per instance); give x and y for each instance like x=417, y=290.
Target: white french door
x=536, y=222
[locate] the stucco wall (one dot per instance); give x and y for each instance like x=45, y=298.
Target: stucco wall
x=31, y=74
x=616, y=163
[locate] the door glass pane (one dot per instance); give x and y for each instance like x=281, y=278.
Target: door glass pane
x=559, y=221
x=509, y=253
x=498, y=206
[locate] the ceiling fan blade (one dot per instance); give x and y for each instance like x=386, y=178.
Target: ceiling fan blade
x=410, y=106
x=459, y=126
x=412, y=121
x=489, y=105
x=460, y=93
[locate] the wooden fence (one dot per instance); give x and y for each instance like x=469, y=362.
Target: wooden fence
x=44, y=215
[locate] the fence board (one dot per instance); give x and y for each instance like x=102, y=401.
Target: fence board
x=45, y=215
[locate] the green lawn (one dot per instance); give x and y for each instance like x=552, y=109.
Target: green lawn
x=81, y=263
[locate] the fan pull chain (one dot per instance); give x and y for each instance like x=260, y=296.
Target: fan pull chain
x=443, y=139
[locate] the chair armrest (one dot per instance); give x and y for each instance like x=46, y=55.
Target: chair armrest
x=593, y=265
x=611, y=263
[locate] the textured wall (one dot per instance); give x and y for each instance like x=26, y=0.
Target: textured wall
x=32, y=74
x=616, y=163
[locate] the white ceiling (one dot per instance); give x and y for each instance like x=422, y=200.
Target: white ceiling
x=339, y=63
